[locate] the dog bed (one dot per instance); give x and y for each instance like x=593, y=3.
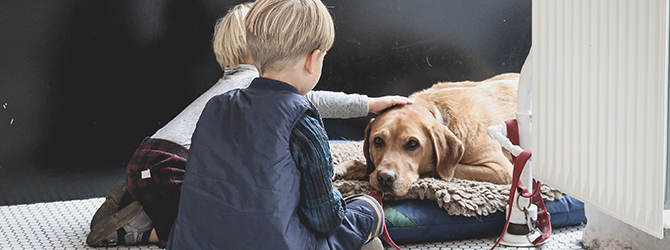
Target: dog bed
x=438, y=210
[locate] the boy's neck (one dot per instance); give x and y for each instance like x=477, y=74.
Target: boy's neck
x=291, y=76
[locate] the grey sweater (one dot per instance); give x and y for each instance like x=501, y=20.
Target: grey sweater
x=330, y=105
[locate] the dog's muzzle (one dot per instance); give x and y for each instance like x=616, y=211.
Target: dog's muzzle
x=386, y=178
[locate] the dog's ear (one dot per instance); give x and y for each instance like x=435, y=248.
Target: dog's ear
x=448, y=151
x=366, y=148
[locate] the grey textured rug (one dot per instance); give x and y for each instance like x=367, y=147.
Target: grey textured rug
x=457, y=197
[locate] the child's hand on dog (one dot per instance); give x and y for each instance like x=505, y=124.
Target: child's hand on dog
x=379, y=104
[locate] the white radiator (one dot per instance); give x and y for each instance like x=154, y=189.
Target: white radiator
x=600, y=104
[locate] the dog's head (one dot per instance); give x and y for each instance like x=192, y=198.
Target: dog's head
x=408, y=142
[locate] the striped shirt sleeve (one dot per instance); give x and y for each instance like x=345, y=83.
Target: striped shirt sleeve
x=320, y=203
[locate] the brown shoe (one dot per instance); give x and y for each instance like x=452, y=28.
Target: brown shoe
x=112, y=203
x=100, y=231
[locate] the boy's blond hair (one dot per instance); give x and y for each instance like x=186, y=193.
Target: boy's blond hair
x=281, y=31
x=229, y=43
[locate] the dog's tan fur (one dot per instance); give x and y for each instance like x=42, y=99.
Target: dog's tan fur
x=448, y=121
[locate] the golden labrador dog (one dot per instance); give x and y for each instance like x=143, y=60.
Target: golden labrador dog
x=442, y=134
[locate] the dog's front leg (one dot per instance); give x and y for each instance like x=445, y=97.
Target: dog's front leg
x=350, y=170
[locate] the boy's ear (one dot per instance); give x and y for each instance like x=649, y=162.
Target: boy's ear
x=310, y=63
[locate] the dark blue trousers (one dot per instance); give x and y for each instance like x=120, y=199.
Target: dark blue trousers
x=364, y=221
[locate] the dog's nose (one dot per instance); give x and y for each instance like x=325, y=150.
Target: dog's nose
x=386, y=178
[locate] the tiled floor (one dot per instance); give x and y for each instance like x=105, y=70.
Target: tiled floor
x=65, y=224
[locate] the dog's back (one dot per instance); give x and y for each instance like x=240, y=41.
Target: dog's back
x=487, y=102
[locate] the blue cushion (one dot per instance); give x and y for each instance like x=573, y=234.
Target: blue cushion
x=410, y=221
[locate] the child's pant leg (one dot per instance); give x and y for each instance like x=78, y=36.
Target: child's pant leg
x=154, y=177
x=363, y=222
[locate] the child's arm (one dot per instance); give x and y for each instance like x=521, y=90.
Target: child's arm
x=343, y=106
x=339, y=105
x=320, y=202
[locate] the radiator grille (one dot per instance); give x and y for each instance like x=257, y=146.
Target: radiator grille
x=600, y=104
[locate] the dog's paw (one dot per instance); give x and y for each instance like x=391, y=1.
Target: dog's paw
x=350, y=170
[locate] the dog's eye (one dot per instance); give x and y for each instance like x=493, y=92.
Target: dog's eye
x=378, y=142
x=412, y=145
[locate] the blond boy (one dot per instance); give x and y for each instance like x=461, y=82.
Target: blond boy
x=259, y=166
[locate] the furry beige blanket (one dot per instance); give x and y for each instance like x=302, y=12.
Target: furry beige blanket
x=457, y=197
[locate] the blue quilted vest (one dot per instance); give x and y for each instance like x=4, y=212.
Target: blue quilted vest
x=241, y=189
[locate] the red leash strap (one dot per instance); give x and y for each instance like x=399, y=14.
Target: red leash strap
x=513, y=134
x=543, y=217
x=385, y=232
x=520, y=160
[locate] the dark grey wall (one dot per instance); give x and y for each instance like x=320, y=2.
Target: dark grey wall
x=83, y=82
x=398, y=47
